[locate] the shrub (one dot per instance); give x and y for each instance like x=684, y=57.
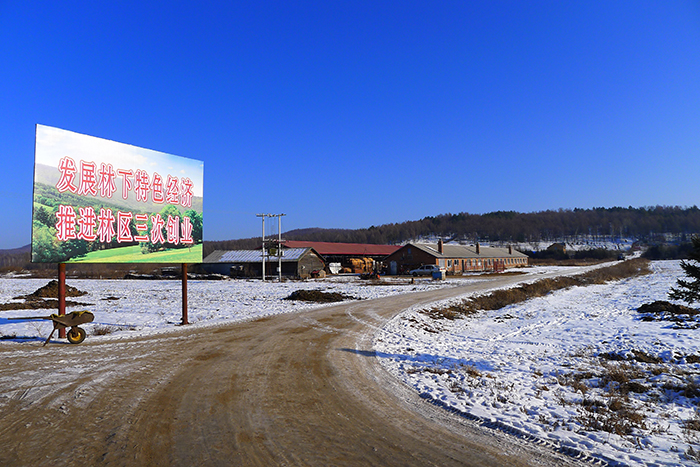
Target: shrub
x=103, y=330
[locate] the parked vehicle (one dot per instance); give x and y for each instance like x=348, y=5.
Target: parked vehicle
x=425, y=270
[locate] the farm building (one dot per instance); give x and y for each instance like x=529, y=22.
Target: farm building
x=456, y=259
x=296, y=262
x=557, y=247
x=352, y=257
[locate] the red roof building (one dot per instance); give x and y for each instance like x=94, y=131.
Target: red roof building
x=330, y=249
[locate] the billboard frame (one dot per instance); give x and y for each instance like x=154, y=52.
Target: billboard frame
x=75, y=176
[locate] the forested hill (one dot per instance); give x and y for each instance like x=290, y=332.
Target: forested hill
x=645, y=224
x=651, y=225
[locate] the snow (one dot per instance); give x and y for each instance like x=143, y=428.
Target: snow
x=140, y=307
x=531, y=369
x=579, y=243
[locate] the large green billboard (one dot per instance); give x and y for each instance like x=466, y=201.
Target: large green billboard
x=99, y=201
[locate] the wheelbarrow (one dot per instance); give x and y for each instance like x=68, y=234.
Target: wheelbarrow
x=72, y=320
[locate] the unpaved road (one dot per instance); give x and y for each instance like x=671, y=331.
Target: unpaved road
x=289, y=390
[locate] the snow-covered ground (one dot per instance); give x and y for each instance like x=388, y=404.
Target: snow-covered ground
x=131, y=307
x=534, y=369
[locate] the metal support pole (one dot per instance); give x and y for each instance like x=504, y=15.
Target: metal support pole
x=279, y=246
x=62, y=296
x=184, y=294
x=279, y=243
x=263, y=247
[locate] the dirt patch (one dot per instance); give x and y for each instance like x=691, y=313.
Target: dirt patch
x=50, y=290
x=635, y=355
x=681, y=316
x=44, y=297
x=38, y=304
x=661, y=306
x=319, y=297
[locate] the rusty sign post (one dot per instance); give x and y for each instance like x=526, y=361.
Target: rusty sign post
x=62, y=296
x=184, y=294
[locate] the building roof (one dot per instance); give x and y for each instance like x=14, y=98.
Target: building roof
x=464, y=251
x=349, y=249
x=253, y=256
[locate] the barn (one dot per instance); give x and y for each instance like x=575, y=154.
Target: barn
x=455, y=259
x=352, y=257
x=296, y=263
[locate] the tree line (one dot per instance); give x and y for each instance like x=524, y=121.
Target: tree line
x=650, y=225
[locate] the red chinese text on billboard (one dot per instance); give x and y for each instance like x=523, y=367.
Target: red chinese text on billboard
x=106, y=226
x=67, y=221
x=177, y=191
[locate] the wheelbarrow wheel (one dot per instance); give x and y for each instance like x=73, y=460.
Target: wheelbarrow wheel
x=76, y=335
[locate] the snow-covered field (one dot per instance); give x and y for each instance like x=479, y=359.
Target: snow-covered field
x=534, y=369
x=137, y=307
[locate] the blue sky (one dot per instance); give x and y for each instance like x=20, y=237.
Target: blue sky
x=351, y=114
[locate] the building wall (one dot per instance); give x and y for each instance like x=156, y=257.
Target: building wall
x=459, y=265
x=308, y=263
x=409, y=257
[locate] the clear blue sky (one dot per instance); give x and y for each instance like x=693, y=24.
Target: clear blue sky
x=347, y=114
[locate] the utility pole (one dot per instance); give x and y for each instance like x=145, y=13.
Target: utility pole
x=279, y=242
x=279, y=245
x=263, y=244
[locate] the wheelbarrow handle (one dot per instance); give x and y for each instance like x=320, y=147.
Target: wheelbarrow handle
x=32, y=317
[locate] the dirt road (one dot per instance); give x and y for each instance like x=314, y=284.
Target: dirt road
x=290, y=390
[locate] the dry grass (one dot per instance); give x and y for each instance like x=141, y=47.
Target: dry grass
x=693, y=424
x=660, y=307
x=502, y=298
x=471, y=371
x=609, y=394
x=576, y=381
x=103, y=329
x=429, y=369
x=451, y=312
x=692, y=454
x=614, y=416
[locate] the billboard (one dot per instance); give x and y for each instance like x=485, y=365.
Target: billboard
x=99, y=201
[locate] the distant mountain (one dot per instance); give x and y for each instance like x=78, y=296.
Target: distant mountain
x=296, y=233
x=13, y=251
x=15, y=257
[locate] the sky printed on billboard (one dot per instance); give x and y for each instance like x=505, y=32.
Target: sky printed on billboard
x=97, y=200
